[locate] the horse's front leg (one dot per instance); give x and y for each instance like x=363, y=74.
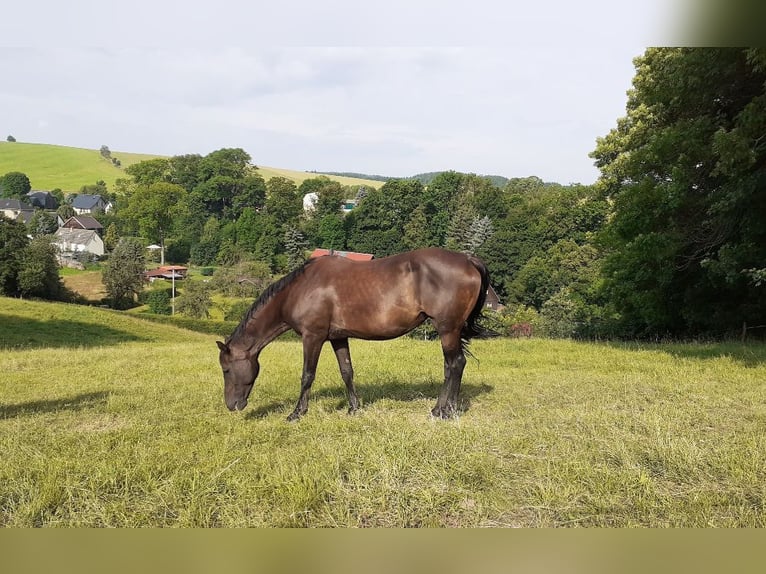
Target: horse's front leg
x=342, y=353
x=312, y=347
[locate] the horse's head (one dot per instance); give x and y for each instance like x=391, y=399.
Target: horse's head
x=240, y=370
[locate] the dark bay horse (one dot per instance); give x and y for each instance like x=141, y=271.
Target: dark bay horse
x=332, y=298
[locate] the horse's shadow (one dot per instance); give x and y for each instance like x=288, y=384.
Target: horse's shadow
x=369, y=394
x=79, y=402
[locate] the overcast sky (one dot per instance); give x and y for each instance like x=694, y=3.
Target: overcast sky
x=489, y=87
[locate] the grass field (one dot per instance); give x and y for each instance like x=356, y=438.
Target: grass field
x=68, y=168
x=108, y=420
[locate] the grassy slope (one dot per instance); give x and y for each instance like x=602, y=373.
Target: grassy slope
x=68, y=168
x=106, y=420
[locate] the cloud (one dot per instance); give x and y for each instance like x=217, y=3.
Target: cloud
x=503, y=89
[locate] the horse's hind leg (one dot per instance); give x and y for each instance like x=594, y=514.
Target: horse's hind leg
x=342, y=353
x=454, y=363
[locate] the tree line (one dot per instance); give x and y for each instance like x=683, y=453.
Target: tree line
x=670, y=241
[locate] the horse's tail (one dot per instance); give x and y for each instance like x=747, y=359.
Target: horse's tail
x=473, y=327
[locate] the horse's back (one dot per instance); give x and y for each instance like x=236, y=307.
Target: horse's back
x=385, y=298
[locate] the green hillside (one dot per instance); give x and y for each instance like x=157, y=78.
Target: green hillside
x=69, y=168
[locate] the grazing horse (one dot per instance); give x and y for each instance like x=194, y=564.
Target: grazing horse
x=332, y=298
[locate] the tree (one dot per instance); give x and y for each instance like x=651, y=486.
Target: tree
x=105, y=153
x=195, y=300
x=111, y=237
x=377, y=224
x=39, y=273
x=233, y=163
x=123, y=273
x=65, y=211
x=459, y=233
x=41, y=224
x=15, y=184
x=416, y=233
x=283, y=202
x=685, y=169
x=295, y=248
x=10, y=138
x=149, y=171
x=13, y=241
x=152, y=210
x=480, y=230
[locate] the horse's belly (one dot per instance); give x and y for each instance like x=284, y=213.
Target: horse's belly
x=375, y=326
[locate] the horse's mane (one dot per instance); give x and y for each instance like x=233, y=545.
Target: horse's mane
x=266, y=296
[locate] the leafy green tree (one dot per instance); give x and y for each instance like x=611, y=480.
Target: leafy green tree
x=195, y=300
x=152, y=210
x=13, y=241
x=39, y=273
x=332, y=232
x=10, y=138
x=205, y=252
x=111, y=237
x=184, y=170
x=283, y=203
x=123, y=273
x=65, y=211
x=268, y=243
x=377, y=224
x=416, y=234
x=150, y=171
x=15, y=184
x=685, y=170
x=98, y=188
x=233, y=163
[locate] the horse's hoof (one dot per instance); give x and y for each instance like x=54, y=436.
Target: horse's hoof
x=292, y=417
x=443, y=413
x=352, y=411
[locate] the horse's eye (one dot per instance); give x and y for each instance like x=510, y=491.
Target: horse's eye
x=225, y=371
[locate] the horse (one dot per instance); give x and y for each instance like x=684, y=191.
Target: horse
x=333, y=298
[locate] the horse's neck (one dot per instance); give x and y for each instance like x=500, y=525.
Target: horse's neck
x=265, y=326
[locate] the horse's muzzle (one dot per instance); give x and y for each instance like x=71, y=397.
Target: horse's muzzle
x=237, y=405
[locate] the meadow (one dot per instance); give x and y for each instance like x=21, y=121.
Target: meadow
x=110, y=420
x=67, y=168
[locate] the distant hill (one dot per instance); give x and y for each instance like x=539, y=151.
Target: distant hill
x=424, y=178
x=70, y=168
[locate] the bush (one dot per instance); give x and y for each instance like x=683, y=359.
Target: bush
x=520, y=321
x=207, y=271
x=158, y=301
x=236, y=311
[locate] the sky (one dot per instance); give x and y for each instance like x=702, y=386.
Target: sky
x=391, y=88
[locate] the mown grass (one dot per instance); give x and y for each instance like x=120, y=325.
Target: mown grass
x=106, y=420
x=67, y=168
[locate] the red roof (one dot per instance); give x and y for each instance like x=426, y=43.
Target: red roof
x=347, y=254
x=177, y=268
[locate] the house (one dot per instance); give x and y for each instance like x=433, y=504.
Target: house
x=166, y=272
x=348, y=254
x=72, y=241
x=87, y=203
x=16, y=210
x=43, y=200
x=84, y=222
x=493, y=301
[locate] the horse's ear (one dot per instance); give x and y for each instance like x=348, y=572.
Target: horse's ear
x=223, y=346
